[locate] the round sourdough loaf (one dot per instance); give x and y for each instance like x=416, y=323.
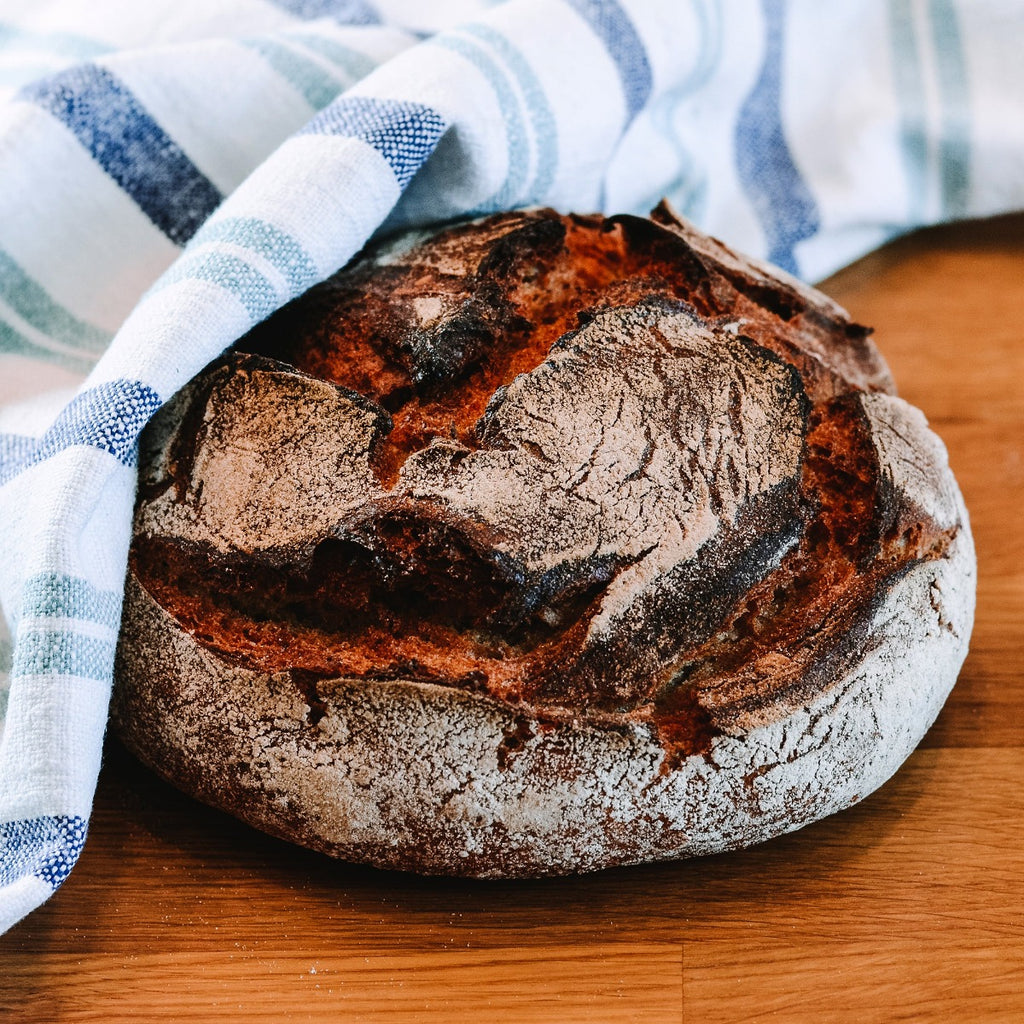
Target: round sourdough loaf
x=541, y=545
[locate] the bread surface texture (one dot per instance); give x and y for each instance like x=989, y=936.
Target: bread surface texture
x=542, y=544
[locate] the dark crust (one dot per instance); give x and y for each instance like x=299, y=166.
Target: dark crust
x=761, y=619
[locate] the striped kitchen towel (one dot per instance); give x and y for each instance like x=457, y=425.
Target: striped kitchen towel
x=173, y=171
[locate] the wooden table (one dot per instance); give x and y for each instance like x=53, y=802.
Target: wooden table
x=908, y=907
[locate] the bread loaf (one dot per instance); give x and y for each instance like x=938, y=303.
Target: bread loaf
x=540, y=545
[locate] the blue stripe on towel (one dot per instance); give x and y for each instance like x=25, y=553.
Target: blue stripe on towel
x=348, y=12
x=130, y=146
x=403, y=132
x=15, y=448
x=613, y=27
x=47, y=847
x=108, y=417
x=779, y=194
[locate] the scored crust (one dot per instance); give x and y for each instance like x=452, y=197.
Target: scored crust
x=541, y=545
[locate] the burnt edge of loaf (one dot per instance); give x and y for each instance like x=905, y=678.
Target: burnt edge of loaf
x=837, y=510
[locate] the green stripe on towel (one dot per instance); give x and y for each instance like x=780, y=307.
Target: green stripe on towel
x=317, y=86
x=52, y=653
x=36, y=307
x=57, y=595
x=910, y=94
x=13, y=342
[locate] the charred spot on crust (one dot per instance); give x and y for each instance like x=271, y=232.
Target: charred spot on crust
x=514, y=740
x=588, y=466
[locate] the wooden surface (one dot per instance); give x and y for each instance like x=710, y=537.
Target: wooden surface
x=907, y=907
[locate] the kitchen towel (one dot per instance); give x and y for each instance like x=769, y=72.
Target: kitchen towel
x=171, y=172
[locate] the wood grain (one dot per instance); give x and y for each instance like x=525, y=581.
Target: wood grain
x=907, y=907
x=569, y=984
